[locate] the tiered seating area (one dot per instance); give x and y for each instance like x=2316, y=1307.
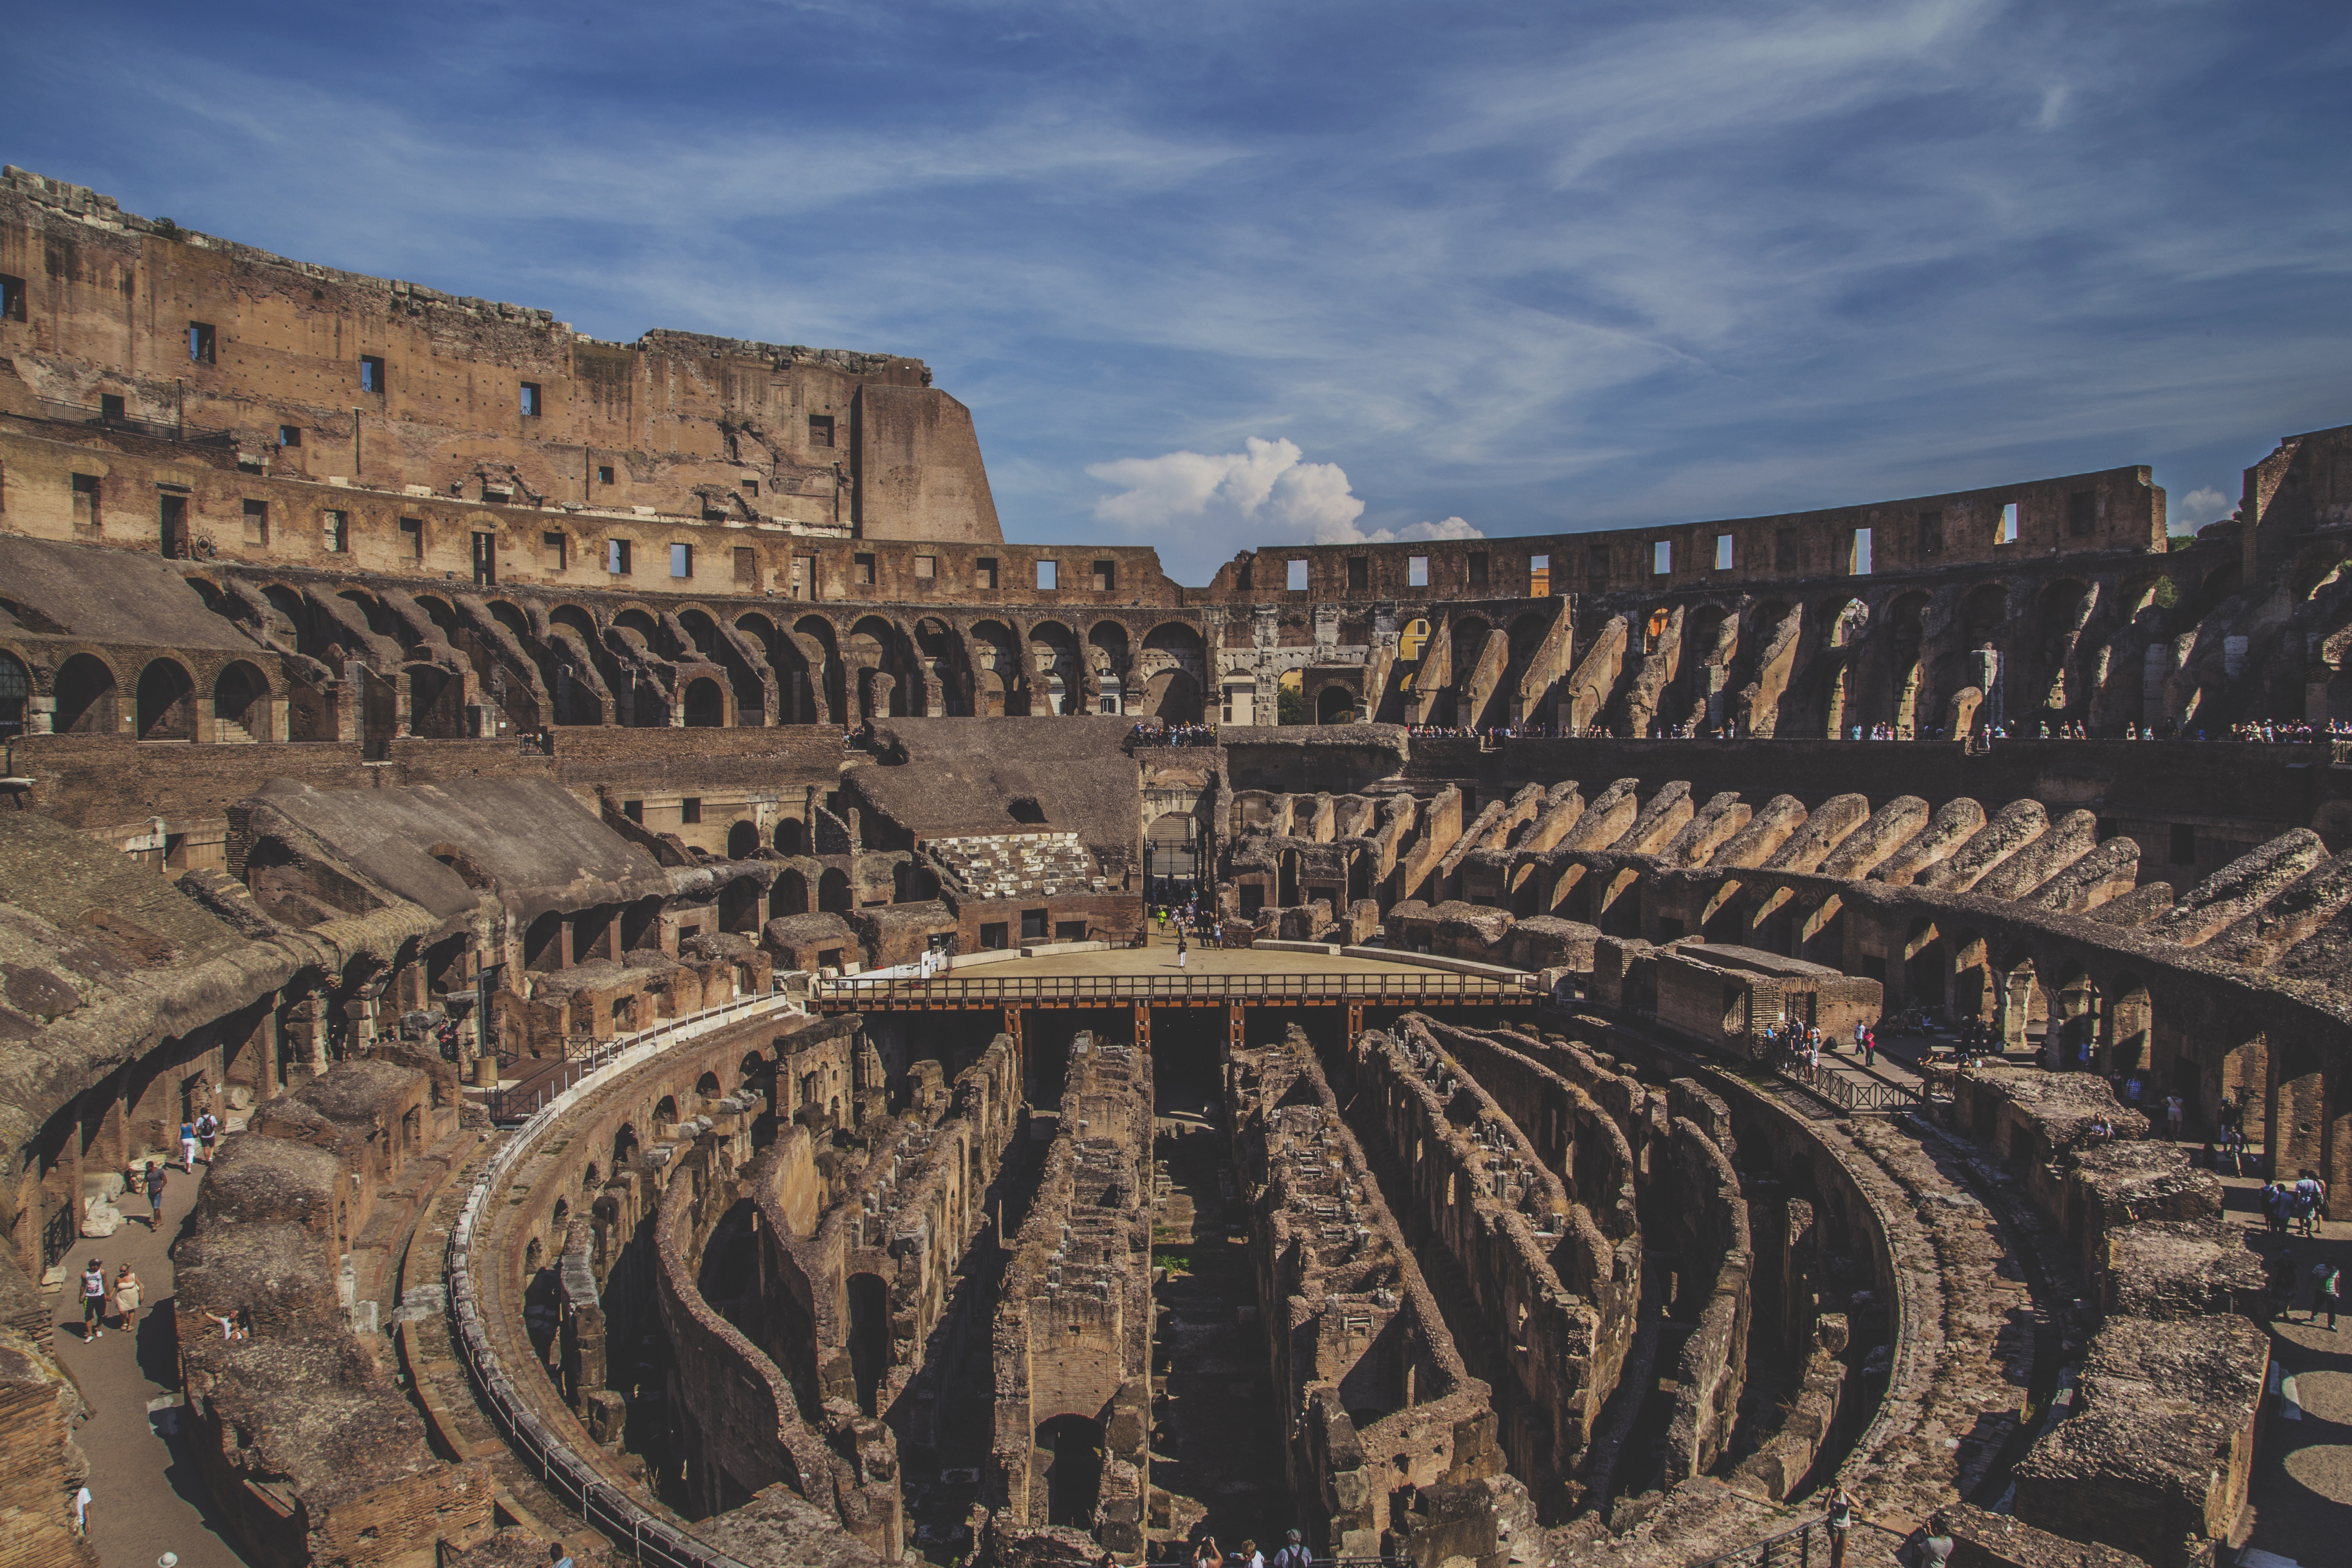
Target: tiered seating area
x=1018, y=865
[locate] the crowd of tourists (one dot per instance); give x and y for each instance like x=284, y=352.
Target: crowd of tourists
x=1154, y=733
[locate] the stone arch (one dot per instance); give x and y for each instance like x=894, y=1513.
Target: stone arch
x=166, y=702
x=825, y=670
x=872, y=652
x=704, y=701
x=789, y=895
x=436, y=702
x=1109, y=656
x=1072, y=1447
x=1335, y=705
x=946, y=687
x=86, y=697
x=640, y=620
x=833, y=892
x=543, y=943
x=701, y=631
x=742, y=840
x=791, y=837
x=997, y=687
x=241, y=703
x=1057, y=678
x=16, y=691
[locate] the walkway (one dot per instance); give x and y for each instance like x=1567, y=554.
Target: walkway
x=1207, y=976
x=145, y=1496
x=2303, y=1466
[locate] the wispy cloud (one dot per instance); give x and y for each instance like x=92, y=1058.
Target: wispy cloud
x=1580, y=266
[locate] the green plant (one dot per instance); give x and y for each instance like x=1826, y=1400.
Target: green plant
x=1290, y=707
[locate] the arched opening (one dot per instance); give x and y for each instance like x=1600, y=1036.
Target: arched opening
x=870, y=1337
x=1926, y=965
x=706, y=704
x=86, y=698
x=1173, y=665
x=240, y=704
x=1026, y=811
x=742, y=841
x=543, y=943
x=1335, y=705
x=789, y=896
x=15, y=687
x=625, y=1147
x=436, y=703
x=833, y=892
x=708, y=1086
x=996, y=677
x=665, y=1112
x=167, y=708
x=1174, y=695
x=791, y=837
x=822, y=659
x=1072, y=1449
x=739, y=907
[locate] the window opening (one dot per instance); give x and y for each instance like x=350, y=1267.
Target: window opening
x=412, y=537
x=1538, y=576
x=531, y=402
x=1662, y=557
x=335, y=533
x=820, y=429
x=1045, y=575
x=553, y=551
x=256, y=522
x=486, y=560
x=12, y=298
x=85, y=502
x=804, y=577
x=202, y=343
x=681, y=560
x=1416, y=570
x=983, y=572
x=862, y=570
x=751, y=488
x=690, y=811
x=1105, y=577
x=1858, y=553
x=371, y=373
x=1360, y=573
x=1723, y=552
x=927, y=567
x=616, y=557
x=2009, y=523
x=110, y=407
x=1298, y=579
x=1477, y=569
x=747, y=565
x=604, y=473
x=290, y=435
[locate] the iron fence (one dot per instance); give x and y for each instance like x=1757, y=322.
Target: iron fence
x=1422, y=985
x=526, y=1098
x=153, y=430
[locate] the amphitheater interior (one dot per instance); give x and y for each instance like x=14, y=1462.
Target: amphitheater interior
x=665, y=901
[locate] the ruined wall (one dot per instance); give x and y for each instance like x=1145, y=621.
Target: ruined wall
x=1392, y=1442
x=1072, y=1331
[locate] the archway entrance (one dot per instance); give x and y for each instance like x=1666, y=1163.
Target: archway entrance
x=167, y=709
x=1072, y=1447
x=705, y=705
x=1335, y=705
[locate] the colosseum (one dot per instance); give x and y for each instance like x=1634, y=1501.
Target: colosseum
x=693, y=1004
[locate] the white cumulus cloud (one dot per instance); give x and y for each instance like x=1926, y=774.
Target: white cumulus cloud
x=2198, y=508
x=1267, y=486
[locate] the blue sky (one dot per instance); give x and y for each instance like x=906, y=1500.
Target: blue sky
x=1220, y=275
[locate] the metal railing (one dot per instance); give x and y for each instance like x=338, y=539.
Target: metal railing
x=1417, y=985
x=1855, y=1093
x=1807, y=1544
x=599, y=1503
x=526, y=1098
x=153, y=430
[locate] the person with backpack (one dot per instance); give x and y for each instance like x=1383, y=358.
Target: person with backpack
x=2327, y=1282
x=153, y=1180
x=2307, y=1192
x=1292, y=1555
x=207, y=1132
x=1839, y=1514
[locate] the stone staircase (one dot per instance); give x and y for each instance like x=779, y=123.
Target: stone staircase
x=1017, y=865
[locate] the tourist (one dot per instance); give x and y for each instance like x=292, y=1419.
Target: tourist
x=237, y=1325
x=2283, y=1277
x=126, y=1298
x=1180, y=946
x=153, y=1180
x=2326, y=1280
x=1248, y=1557
x=188, y=1147
x=1292, y=1555
x=93, y=1302
x=1839, y=1512
x=2173, y=1112
x=207, y=1132
x=2276, y=1205
x=1935, y=1546
x=2309, y=1192
x=2233, y=1146
x=557, y=1557
x=1206, y=1554
x=1869, y=1051
x=82, y=1512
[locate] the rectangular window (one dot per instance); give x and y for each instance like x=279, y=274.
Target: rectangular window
x=1105, y=577
x=1662, y=557
x=635, y=810
x=1069, y=930
x=2009, y=523
x=861, y=570
x=1416, y=570
x=992, y=936
x=820, y=429
x=927, y=567
x=751, y=488
x=2081, y=514
x=1297, y=580
x=690, y=811
x=681, y=560
x=531, y=404
x=553, y=549
x=335, y=533
x=85, y=502
x=604, y=473
x=1033, y=925
x=1477, y=569
x=256, y=522
x=486, y=560
x=1538, y=576
x=201, y=343
x=1723, y=552
x=2184, y=845
x=616, y=557
x=412, y=537
x=290, y=435
x=984, y=572
x=12, y=298
x=804, y=577
x=1857, y=553
x=1931, y=535
x=371, y=373
x=1046, y=574
x=1788, y=551
x=110, y=407
x=1360, y=573
x=747, y=566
